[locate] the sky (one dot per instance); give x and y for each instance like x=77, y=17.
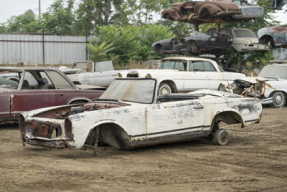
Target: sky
x=17, y=7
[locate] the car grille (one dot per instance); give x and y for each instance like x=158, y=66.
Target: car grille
x=46, y=130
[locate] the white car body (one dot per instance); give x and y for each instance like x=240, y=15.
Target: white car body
x=185, y=81
x=271, y=79
x=101, y=73
x=125, y=124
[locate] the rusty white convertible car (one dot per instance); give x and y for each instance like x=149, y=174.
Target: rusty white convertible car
x=270, y=86
x=130, y=114
x=184, y=74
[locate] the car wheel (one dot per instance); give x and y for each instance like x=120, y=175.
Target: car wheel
x=279, y=99
x=221, y=137
x=164, y=89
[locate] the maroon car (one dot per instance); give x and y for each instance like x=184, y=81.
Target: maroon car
x=35, y=88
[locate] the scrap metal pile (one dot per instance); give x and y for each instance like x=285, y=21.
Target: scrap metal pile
x=199, y=12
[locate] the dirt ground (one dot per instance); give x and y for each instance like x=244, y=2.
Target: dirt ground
x=255, y=159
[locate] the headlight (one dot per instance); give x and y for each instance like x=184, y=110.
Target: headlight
x=148, y=76
x=258, y=88
x=68, y=128
x=212, y=39
x=221, y=88
x=229, y=39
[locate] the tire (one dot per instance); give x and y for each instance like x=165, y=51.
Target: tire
x=179, y=47
x=221, y=137
x=164, y=89
x=279, y=99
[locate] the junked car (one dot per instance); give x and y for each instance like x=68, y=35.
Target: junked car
x=195, y=43
x=273, y=36
x=277, y=4
x=209, y=11
x=184, y=74
x=244, y=40
x=130, y=114
x=270, y=86
x=37, y=88
x=101, y=74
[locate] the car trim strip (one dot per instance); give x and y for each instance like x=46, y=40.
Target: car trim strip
x=175, y=130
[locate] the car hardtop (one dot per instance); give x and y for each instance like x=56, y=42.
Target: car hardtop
x=188, y=58
x=191, y=59
x=23, y=69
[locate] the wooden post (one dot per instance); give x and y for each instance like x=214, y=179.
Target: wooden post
x=196, y=26
x=218, y=25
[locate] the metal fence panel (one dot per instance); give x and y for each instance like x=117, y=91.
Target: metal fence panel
x=26, y=48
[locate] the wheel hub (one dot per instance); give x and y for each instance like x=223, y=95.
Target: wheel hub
x=278, y=99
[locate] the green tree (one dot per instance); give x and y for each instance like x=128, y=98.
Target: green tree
x=23, y=23
x=59, y=18
x=100, y=50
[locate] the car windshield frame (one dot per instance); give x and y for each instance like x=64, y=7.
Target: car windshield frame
x=269, y=69
x=129, y=79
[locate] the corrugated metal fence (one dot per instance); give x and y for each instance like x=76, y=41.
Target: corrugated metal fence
x=36, y=49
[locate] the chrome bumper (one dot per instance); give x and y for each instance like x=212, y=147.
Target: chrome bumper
x=266, y=101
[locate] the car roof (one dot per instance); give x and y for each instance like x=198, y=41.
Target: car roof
x=277, y=65
x=187, y=58
x=20, y=69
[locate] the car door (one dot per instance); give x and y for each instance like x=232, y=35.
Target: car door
x=215, y=77
x=173, y=118
x=30, y=97
x=177, y=76
x=196, y=77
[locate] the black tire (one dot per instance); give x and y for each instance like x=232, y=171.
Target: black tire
x=179, y=47
x=221, y=137
x=164, y=89
x=279, y=99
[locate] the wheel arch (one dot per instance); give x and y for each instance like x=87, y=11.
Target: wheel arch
x=158, y=47
x=229, y=117
x=112, y=133
x=171, y=84
x=264, y=39
x=79, y=99
x=77, y=83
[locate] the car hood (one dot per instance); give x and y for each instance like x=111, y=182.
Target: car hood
x=254, y=79
x=214, y=93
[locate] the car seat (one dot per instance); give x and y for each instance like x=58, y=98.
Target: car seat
x=42, y=84
x=25, y=84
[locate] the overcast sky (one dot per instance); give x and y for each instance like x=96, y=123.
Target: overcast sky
x=9, y=8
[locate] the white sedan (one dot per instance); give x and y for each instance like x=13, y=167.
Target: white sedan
x=270, y=86
x=185, y=74
x=130, y=114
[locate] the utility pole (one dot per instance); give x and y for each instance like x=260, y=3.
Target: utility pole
x=39, y=8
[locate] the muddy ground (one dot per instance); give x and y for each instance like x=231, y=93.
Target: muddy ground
x=254, y=160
